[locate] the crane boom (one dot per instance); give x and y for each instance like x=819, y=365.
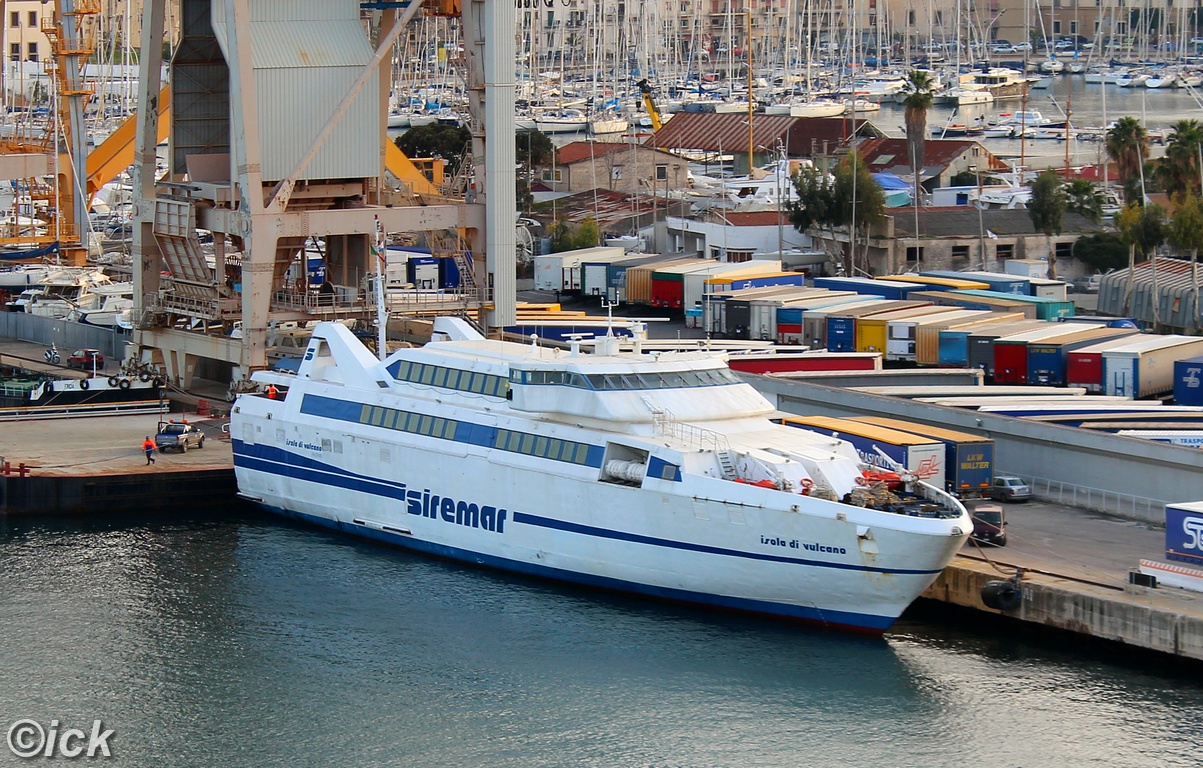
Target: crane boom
x=649, y=104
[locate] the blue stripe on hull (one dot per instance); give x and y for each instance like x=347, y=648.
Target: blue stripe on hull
x=859, y=622
x=270, y=460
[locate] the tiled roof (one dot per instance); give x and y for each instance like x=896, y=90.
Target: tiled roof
x=893, y=155
x=576, y=151
x=757, y=219
x=802, y=136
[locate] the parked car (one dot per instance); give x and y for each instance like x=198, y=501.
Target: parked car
x=84, y=359
x=178, y=436
x=1086, y=284
x=989, y=524
x=1010, y=488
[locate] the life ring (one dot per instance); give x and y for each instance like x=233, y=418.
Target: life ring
x=862, y=480
x=123, y=384
x=83, y=383
x=807, y=484
x=144, y=377
x=112, y=381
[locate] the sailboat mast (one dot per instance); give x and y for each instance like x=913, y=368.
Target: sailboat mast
x=748, y=47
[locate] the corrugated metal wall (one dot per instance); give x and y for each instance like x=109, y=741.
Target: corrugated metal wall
x=1172, y=294
x=307, y=54
x=68, y=336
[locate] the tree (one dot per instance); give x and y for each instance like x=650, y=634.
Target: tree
x=1047, y=209
x=1178, y=171
x=918, y=89
x=1142, y=229
x=449, y=142
x=1082, y=196
x=565, y=238
x=848, y=198
x=1127, y=143
x=1185, y=233
x=1101, y=251
x=533, y=148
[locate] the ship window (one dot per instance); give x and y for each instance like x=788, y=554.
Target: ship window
x=377, y=416
x=515, y=440
x=403, y=370
x=390, y=419
x=424, y=425
x=500, y=440
x=577, y=380
x=427, y=374
x=596, y=380
x=365, y=414
x=326, y=444
x=440, y=377
x=528, y=444
x=450, y=430
x=516, y=377
x=613, y=381
x=582, y=454
x=540, y=446
x=538, y=377
x=668, y=472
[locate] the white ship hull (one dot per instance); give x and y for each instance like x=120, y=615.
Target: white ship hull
x=478, y=484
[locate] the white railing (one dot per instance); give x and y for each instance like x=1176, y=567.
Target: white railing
x=1124, y=505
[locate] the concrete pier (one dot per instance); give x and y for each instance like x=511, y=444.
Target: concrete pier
x=95, y=465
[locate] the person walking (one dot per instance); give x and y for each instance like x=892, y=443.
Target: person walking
x=148, y=446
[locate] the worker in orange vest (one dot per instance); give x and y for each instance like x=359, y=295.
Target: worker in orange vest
x=148, y=446
x=272, y=392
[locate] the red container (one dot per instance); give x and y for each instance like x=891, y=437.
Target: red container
x=810, y=361
x=789, y=333
x=1010, y=362
x=668, y=291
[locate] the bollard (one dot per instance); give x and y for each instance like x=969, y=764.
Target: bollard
x=202, y=407
x=22, y=470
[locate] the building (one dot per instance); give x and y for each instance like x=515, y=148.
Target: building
x=943, y=159
x=731, y=236
x=616, y=213
x=769, y=136
x=959, y=238
x=618, y=167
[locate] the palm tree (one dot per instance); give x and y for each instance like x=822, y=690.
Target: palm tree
x=1082, y=196
x=1127, y=144
x=1178, y=171
x=918, y=89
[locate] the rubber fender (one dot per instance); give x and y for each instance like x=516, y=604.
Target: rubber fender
x=1002, y=595
x=83, y=383
x=123, y=384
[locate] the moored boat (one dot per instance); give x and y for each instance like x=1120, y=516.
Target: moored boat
x=660, y=474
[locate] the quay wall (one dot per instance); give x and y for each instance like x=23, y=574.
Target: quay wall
x=1136, y=616
x=106, y=494
x=68, y=336
x=1124, y=476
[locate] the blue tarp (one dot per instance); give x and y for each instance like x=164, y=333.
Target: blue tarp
x=889, y=181
x=40, y=253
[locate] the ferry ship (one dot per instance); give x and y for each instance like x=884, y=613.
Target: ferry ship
x=661, y=474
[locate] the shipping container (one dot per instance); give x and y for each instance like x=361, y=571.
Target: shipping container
x=1110, y=322
x=1145, y=367
x=1011, y=352
x=923, y=456
x=1046, y=309
x=668, y=283
x=558, y=271
x=997, y=281
x=595, y=273
x=1043, y=288
x=981, y=346
x=1047, y=359
x=872, y=331
x=695, y=283
x=1184, y=532
x=763, y=322
x=790, y=322
x=813, y=360
x=956, y=298
x=954, y=342
x=968, y=458
x=843, y=320
x=1188, y=381
x=639, y=278
x=928, y=339
x=1191, y=438
x=715, y=306
x=891, y=289
x=1084, y=366
x=616, y=273
x=904, y=336
x=422, y=272
x=938, y=283
x=1026, y=267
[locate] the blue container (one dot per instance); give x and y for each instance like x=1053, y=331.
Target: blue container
x=796, y=278
x=888, y=289
x=954, y=348
x=1188, y=381
x=1046, y=309
x=1048, y=361
x=422, y=271
x=449, y=272
x=1184, y=532
x=1001, y=283
x=841, y=334
x=789, y=315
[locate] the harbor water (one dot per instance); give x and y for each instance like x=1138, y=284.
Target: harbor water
x=235, y=639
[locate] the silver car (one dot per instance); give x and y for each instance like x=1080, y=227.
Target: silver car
x=178, y=437
x=1010, y=488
